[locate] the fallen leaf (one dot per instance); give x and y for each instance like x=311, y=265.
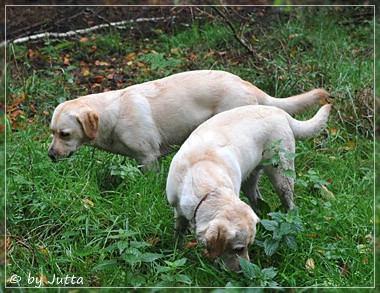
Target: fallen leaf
x=43, y=249
x=16, y=113
x=85, y=72
x=211, y=53
x=152, y=239
x=291, y=37
x=192, y=243
x=310, y=264
x=349, y=145
x=293, y=52
x=368, y=238
x=86, y=202
x=312, y=235
x=101, y=63
x=333, y=131
x=345, y=270
x=66, y=60
x=30, y=53
x=327, y=193
x=98, y=78
x=363, y=249
x=43, y=277
x=338, y=237
x=176, y=51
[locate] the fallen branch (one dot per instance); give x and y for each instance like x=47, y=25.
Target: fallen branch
x=119, y=25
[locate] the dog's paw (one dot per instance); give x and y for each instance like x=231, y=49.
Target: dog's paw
x=322, y=96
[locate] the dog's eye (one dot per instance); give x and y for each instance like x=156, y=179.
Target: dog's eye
x=64, y=134
x=238, y=250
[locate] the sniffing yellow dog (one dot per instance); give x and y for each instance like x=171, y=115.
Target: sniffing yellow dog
x=143, y=120
x=224, y=152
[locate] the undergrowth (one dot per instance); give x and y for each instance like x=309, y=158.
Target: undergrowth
x=95, y=216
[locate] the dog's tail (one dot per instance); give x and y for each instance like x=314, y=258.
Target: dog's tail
x=304, y=129
x=298, y=103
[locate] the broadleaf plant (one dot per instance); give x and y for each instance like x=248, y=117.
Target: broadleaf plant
x=282, y=229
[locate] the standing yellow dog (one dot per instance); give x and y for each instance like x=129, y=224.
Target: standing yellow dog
x=223, y=153
x=143, y=120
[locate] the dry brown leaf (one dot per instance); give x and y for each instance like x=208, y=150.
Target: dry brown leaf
x=98, y=78
x=333, y=131
x=192, y=243
x=345, y=270
x=152, y=239
x=43, y=277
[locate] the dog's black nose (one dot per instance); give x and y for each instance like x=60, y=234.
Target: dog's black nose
x=52, y=155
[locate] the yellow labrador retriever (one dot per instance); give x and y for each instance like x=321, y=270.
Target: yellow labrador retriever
x=206, y=174
x=143, y=120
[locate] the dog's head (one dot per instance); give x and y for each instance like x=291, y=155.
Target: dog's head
x=72, y=124
x=229, y=234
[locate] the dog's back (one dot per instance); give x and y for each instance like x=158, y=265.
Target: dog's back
x=236, y=140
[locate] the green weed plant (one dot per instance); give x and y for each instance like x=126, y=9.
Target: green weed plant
x=96, y=216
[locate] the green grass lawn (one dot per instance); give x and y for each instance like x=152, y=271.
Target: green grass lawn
x=96, y=217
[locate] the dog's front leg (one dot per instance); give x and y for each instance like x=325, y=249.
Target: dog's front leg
x=180, y=227
x=250, y=188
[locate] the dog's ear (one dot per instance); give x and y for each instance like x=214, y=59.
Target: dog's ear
x=255, y=221
x=90, y=123
x=216, y=239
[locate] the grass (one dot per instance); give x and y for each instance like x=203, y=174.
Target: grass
x=95, y=216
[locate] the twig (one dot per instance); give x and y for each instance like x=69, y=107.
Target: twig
x=235, y=32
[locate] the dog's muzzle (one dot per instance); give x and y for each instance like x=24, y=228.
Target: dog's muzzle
x=52, y=155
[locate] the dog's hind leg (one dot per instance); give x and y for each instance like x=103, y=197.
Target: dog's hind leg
x=283, y=184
